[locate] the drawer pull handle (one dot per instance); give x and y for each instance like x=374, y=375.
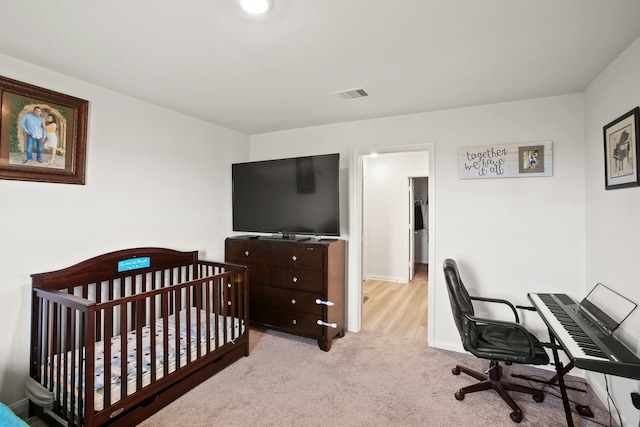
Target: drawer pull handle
x=293, y=301
x=295, y=280
x=295, y=322
x=295, y=258
x=319, y=301
x=331, y=325
x=246, y=253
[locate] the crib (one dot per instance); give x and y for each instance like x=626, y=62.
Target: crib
x=119, y=336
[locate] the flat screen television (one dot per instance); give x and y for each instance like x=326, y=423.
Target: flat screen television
x=287, y=197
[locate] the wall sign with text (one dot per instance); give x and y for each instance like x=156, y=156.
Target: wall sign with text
x=505, y=160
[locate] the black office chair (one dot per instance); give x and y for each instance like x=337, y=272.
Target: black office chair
x=495, y=340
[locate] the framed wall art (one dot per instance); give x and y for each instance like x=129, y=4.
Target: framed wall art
x=621, y=151
x=517, y=160
x=43, y=134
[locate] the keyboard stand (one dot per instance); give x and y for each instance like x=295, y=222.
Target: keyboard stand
x=560, y=373
x=553, y=380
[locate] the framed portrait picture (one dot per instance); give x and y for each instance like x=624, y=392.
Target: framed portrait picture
x=621, y=151
x=43, y=134
x=531, y=159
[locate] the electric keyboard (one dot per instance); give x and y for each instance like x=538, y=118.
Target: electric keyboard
x=585, y=338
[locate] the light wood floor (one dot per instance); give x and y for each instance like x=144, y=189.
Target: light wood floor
x=398, y=309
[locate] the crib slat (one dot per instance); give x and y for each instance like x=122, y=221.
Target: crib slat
x=91, y=367
x=216, y=308
x=224, y=308
x=176, y=321
x=69, y=371
x=124, y=321
x=52, y=343
x=152, y=340
x=165, y=331
x=99, y=320
x=232, y=306
x=187, y=324
x=108, y=373
x=201, y=349
x=139, y=347
x=77, y=342
x=63, y=358
x=207, y=302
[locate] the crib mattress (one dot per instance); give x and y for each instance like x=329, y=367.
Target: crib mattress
x=235, y=328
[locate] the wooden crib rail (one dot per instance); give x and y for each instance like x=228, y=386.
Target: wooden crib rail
x=106, y=267
x=64, y=322
x=66, y=299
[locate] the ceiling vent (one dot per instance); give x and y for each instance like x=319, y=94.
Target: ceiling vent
x=352, y=94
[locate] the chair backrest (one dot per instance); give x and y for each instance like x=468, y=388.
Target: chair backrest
x=460, y=301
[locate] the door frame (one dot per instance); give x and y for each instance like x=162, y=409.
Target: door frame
x=354, y=305
x=412, y=237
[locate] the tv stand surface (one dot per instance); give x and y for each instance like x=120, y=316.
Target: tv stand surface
x=295, y=287
x=286, y=237
x=277, y=237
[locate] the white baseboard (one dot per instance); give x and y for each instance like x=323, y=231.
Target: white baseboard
x=384, y=278
x=21, y=408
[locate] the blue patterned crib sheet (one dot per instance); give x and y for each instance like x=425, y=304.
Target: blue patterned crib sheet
x=234, y=328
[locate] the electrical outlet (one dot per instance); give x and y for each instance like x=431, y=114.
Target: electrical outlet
x=635, y=399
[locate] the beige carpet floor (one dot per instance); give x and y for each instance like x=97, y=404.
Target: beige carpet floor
x=367, y=379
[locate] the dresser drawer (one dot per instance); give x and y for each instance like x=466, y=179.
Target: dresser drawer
x=299, y=255
x=306, y=280
x=247, y=252
x=287, y=320
x=252, y=255
x=286, y=299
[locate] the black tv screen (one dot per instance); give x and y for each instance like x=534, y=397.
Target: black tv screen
x=289, y=196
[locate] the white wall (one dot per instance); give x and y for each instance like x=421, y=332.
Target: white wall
x=386, y=207
x=510, y=236
x=613, y=216
x=154, y=178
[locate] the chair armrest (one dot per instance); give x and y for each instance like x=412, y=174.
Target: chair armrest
x=468, y=320
x=500, y=301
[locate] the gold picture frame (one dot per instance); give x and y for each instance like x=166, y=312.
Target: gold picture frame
x=52, y=153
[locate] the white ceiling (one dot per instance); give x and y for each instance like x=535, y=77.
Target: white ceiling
x=278, y=71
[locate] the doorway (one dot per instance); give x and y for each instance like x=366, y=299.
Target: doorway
x=391, y=301
x=419, y=226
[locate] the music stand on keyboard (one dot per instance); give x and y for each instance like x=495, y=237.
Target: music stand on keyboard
x=607, y=308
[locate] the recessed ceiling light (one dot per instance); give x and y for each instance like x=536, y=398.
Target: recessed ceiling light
x=256, y=6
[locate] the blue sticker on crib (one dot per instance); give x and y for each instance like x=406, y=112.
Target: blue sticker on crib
x=134, y=263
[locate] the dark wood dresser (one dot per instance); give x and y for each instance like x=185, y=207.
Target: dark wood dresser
x=294, y=287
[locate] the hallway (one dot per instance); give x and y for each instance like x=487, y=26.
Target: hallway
x=398, y=309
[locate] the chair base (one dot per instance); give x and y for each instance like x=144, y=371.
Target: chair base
x=493, y=381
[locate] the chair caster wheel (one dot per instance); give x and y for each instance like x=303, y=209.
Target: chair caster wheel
x=455, y=371
x=459, y=395
x=516, y=417
x=538, y=397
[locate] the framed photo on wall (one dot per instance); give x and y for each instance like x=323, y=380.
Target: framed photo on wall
x=43, y=134
x=621, y=151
